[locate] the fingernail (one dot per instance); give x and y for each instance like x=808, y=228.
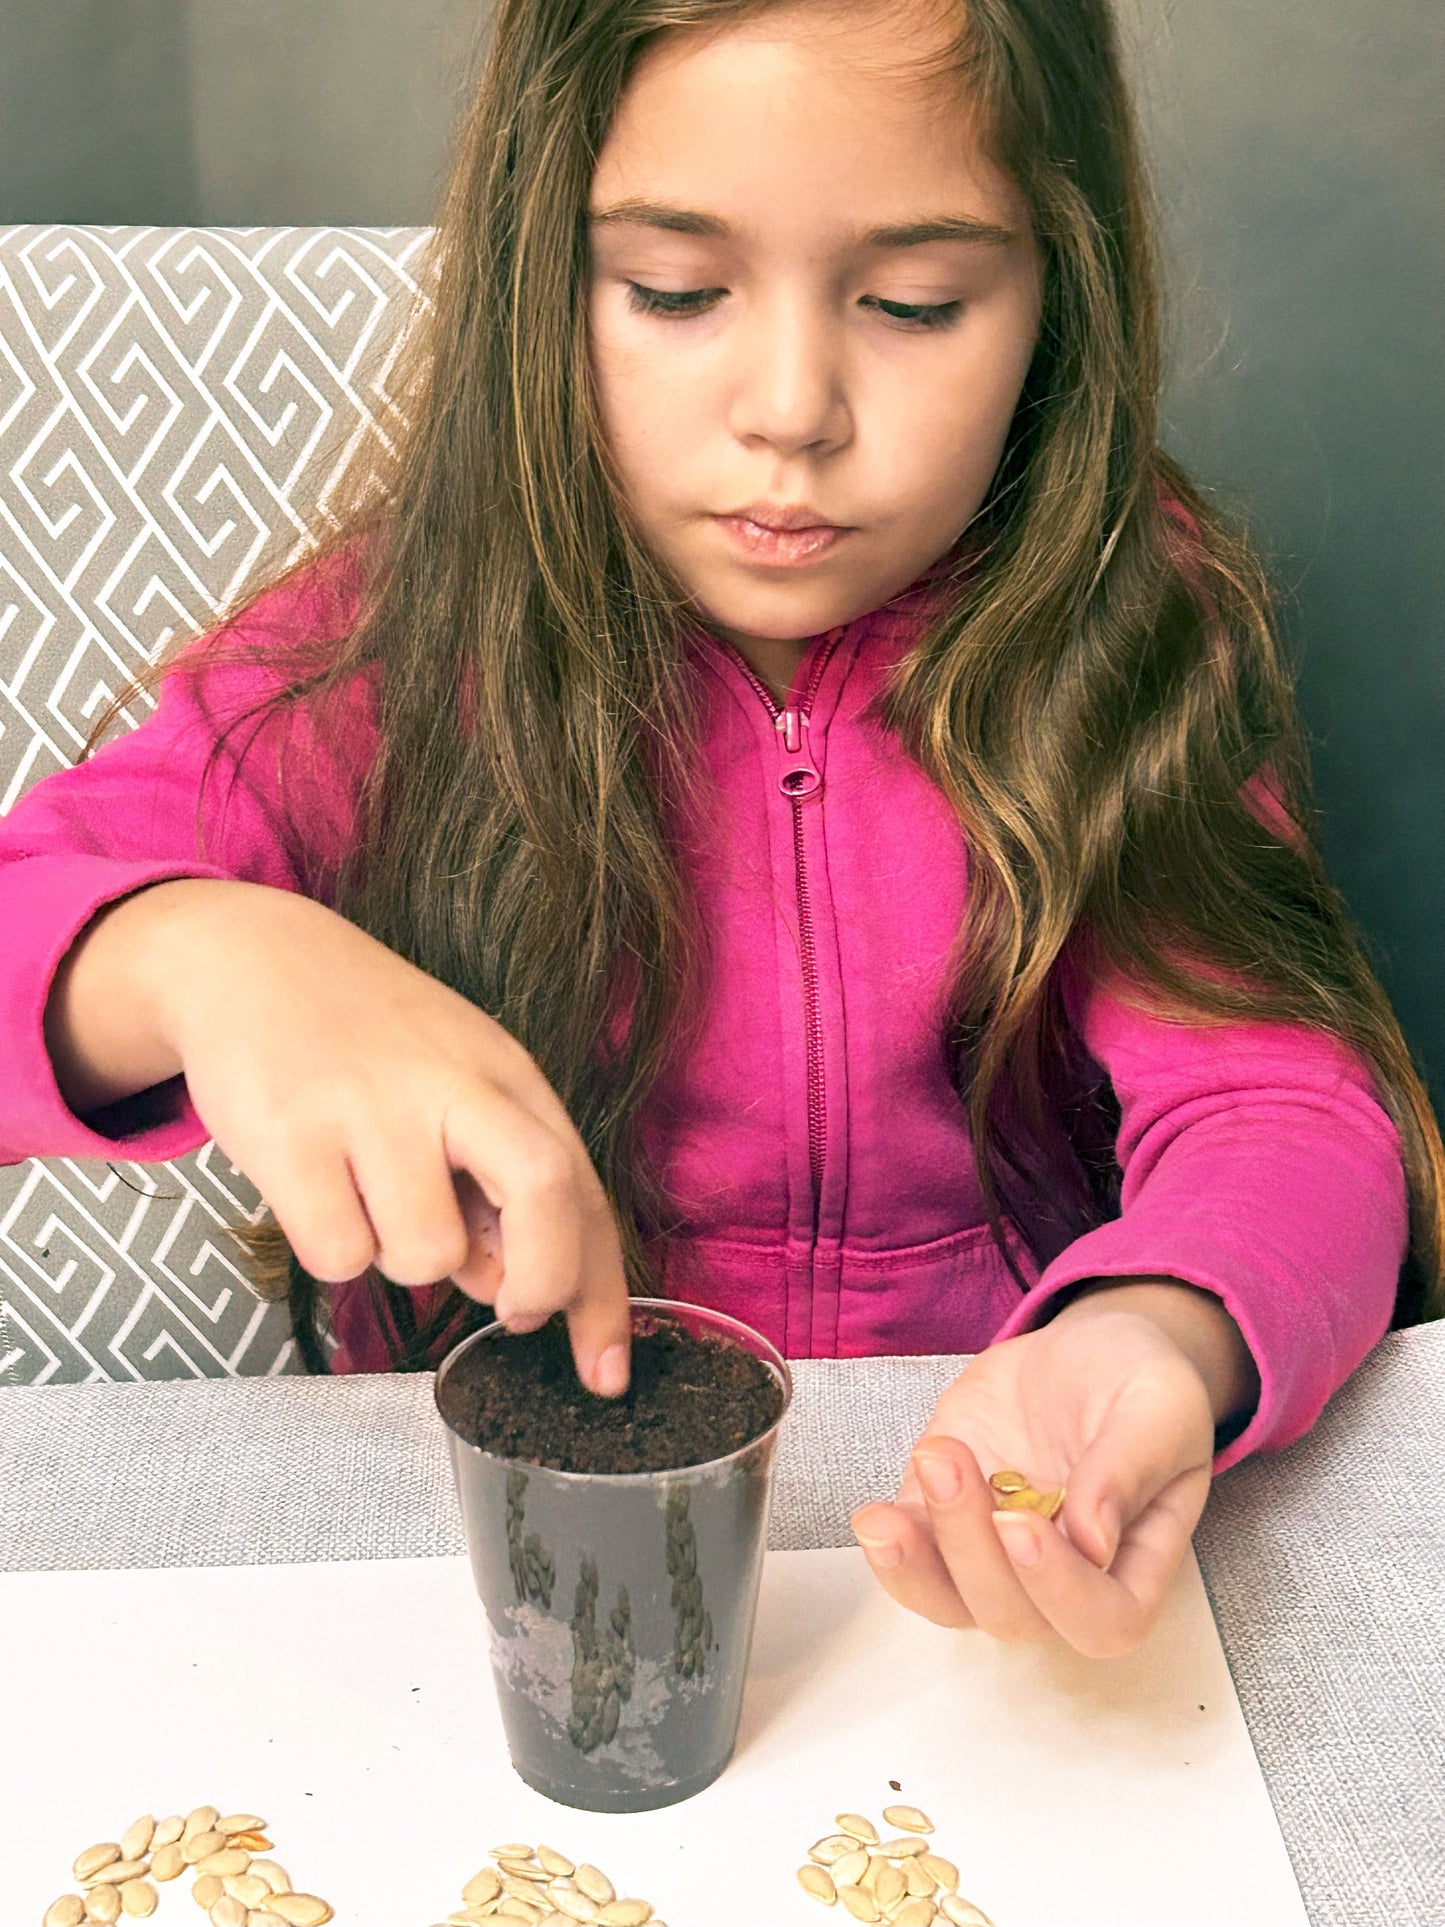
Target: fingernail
x=941, y=1479
x=610, y=1377
x=883, y=1552
x=1018, y=1538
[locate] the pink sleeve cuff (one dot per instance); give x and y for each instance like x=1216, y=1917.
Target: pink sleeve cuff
x=1113, y=1251
x=48, y=902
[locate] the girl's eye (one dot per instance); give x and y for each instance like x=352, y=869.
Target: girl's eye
x=941, y=314
x=660, y=301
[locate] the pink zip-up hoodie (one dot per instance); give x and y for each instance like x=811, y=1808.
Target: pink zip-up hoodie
x=812, y=1142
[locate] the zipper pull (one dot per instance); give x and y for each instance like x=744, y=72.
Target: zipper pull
x=798, y=776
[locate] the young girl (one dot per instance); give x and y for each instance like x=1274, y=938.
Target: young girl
x=781, y=794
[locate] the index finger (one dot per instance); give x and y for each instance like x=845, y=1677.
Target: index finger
x=958, y=1503
x=560, y=1244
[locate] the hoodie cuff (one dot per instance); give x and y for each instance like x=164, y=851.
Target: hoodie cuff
x=1110, y=1252
x=48, y=902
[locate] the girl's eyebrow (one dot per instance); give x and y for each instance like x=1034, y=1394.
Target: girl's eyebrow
x=899, y=234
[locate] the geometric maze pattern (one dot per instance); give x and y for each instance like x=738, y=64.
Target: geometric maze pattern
x=172, y=400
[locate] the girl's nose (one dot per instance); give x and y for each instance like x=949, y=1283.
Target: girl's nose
x=790, y=384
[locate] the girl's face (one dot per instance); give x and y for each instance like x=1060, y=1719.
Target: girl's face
x=793, y=360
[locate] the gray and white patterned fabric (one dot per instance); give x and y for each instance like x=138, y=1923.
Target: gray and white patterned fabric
x=171, y=399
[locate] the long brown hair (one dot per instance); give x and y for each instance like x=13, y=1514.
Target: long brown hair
x=1104, y=682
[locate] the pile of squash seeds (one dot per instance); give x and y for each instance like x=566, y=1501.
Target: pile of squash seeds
x=899, y=1880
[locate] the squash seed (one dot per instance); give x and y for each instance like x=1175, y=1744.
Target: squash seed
x=860, y=1828
x=943, y=1871
x=860, y=1903
x=207, y=1890
x=94, y=1858
x=832, y=1847
x=889, y=1884
x=919, y=1881
x=818, y=1882
x=67, y=1911
x=195, y=1846
x=225, y=1860
x=485, y=1884
x=908, y=1819
x=625, y=1913
x=904, y=1845
x=849, y=1870
x=103, y=1904
x=594, y=1883
x=272, y=1872
x=576, y=1906
x=961, y=1912
x=915, y=1913
x=555, y=1863
x=1015, y=1501
x=166, y=1861
x=117, y=1872
x=135, y=1841
x=301, y=1910
x=201, y=1820
x=249, y=1888
x=240, y=1823
x=227, y=1912
x=524, y=1890
x=513, y=1850
x=168, y=1830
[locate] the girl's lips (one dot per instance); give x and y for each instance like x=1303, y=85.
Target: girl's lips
x=780, y=545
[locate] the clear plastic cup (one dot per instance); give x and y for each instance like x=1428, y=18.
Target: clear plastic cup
x=620, y=1605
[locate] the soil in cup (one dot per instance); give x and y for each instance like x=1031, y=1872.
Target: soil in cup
x=692, y=1397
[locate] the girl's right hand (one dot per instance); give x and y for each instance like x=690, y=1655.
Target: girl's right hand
x=384, y=1118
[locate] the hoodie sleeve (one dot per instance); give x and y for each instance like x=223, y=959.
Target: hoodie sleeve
x=1259, y=1164
x=205, y=787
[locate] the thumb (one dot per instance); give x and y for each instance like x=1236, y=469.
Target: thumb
x=1150, y=1436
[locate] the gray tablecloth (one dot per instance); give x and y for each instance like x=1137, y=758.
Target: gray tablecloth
x=1324, y=1563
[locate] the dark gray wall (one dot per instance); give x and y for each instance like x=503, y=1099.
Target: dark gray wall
x=95, y=112
x=230, y=113
x=335, y=111
x=1299, y=151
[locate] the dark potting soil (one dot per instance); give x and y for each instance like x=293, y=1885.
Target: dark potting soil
x=691, y=1398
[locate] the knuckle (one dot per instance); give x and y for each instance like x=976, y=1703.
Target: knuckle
x=297, y=1130
x=505, y=1063
x=543, y=1169
x=421, y=1260
x=333, y=1257
x=597, y=1209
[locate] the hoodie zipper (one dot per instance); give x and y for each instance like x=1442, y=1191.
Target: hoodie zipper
x=798, y=779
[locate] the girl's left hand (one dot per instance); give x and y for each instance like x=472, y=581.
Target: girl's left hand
x=1107, y=1405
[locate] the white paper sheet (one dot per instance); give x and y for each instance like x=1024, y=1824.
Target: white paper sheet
x=352, y=1705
